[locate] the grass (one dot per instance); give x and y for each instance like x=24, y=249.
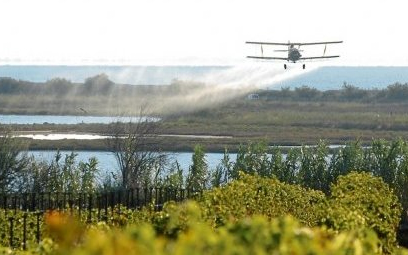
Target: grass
x=277, y=122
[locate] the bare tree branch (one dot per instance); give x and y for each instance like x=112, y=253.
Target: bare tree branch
x=136, y=146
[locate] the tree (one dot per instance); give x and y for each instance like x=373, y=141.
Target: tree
x=61, y=175
x=198, y=172
x=307, y=93
x=223, y=171
x=135, y=145
x=59, y=87
x=252, y=159
x=13, y=162
x=174, y=177
x=352, y=93
x=99, y=84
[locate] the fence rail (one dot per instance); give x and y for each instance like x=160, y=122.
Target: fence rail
x=18, y=208
x=131, y=198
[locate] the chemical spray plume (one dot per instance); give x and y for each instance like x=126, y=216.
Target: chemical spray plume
x=255, y=75
x=220, y=86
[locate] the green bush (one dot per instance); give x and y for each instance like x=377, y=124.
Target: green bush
x=252, y=215
x=254, y=195
x=256, y=235
x=361, y=201
x=358, y=201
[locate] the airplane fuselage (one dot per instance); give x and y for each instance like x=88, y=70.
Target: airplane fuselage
x=293, y=54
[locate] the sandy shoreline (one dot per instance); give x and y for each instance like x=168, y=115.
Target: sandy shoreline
x=50, y=135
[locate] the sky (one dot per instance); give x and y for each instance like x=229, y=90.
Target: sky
x=195, y=32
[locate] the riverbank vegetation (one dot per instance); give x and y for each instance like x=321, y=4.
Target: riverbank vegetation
x=310, y=168
x=251, y=214
x=347, y=200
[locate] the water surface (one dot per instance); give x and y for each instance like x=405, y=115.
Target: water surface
x=65, y=119
x=107, y=161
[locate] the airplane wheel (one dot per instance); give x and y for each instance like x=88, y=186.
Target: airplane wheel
x=284, y=66
x=304, y=66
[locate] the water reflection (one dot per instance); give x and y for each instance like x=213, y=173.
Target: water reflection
x=68, y=119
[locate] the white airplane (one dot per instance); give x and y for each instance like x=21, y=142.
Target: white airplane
x=293, y=52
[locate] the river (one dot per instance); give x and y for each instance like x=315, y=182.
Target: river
x=66, y=119
x=108, y=163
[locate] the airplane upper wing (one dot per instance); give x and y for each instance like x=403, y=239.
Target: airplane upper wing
x=315, y=43
x=291, y=43
x=318, y=57
x=269, y=43
x=267, y=58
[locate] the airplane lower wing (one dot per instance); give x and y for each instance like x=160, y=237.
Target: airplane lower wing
x=267, y=58
x=318, y=57
x=294, y=43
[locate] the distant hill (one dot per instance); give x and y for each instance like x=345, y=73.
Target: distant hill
x=324, y=78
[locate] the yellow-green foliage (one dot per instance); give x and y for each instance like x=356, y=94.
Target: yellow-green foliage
x=17, y=218
x=252, y=215
x=254, y=195
x=174, y=219
x=256, y=235
x=359, y=201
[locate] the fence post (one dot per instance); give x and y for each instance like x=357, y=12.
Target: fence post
x=64, y=201
x=79, y=204
x=132, y=202
x=11, y=219
x=25, y=202
x=37, y=234
x=56, y=202
x=119, y=200
x=151, y=194
x=25, y=231
x=127, y=198
x=99, y=201
x=176, y=192
x=112, y=194
x=15, y=203
x=137, y=198
x=89, y=220
x=33, y=202
x=183, y=194
x=70, y=201
x=156, y=199
x=145, y=196
x=5, y=203
x=42, y=201
x=106, y=206
x=49, y=201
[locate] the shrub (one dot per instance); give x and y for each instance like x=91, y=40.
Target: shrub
x=360, y=201
x=256, y=235
x=254, y=195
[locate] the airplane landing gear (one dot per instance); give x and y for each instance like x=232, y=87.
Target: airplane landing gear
x=284, y=66
x=304, y=66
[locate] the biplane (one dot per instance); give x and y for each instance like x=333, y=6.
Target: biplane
x=293, y=51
